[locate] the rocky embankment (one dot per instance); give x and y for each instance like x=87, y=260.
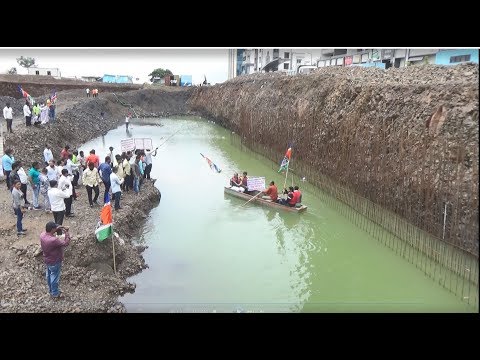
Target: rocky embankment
x=87, y=280
x=405, y=138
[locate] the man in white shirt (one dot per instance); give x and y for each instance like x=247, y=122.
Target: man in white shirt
x=148, y=161
x=24, y=180
x=8, y=115
x=57, y=204
x=115, y=184
x=52, y=171
x=27, y=113
x=112, y=157
x=47, y=155
x=64, y=182
x=71, y=168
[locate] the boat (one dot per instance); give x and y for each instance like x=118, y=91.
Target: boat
x=259, y=200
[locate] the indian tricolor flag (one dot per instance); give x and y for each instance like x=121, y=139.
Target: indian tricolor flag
x=105, y=230
x=286, y=160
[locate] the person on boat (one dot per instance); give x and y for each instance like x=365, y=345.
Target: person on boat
x=290, y=200
x=271, y=193
x=244, y=182
x=236, y=183
x=298, y=193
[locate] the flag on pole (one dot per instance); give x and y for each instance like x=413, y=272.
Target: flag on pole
x=54, y=96
x=286, y=160
x=26, y=95
x=211, y=164
x=105, y=230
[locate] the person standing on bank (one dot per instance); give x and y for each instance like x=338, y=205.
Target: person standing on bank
x=52, y=247
x=27, y=113
x=56, y=198
x=18, y=209
x=8, y=115
x=115, y=182
x=7, y=162
x=148, y=161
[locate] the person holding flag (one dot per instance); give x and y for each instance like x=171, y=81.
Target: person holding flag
x=26, y=95
x=51, y=108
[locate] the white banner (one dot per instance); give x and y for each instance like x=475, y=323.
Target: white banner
x=143, y=143
x=256, y=183
x=136, y=143
x=127, y=145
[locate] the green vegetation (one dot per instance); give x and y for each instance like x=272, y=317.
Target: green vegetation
x=25, y=62
x=159, y=73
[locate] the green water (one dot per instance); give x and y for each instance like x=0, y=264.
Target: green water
x=207, y=253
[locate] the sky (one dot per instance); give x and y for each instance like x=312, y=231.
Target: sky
x=135, y=62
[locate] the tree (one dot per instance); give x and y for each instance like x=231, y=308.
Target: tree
x=160, y=73
x=25, y=62
x=12, y=71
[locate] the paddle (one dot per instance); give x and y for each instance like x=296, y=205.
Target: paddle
x=251, y=199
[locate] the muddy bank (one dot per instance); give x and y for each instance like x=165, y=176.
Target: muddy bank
x=79, y=118
x=87, y=280
x=406, y=138
x=37, y=85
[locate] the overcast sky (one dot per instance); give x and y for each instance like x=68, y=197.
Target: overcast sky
x=137, y=63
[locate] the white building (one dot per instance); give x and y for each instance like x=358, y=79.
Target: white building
x=283, y=60
x=55, y=72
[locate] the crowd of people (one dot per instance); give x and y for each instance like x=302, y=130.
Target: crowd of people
x=36, y=114
x=94, y=92
x=55, y=181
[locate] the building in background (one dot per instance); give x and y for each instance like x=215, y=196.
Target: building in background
x=455, y=56
x=282, y=60
x=55, y=72
x=294, y=61
x=185, y=80
x=118, y=79
x=91, y=78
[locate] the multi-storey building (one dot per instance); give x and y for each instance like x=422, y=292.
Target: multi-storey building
x=249, y=61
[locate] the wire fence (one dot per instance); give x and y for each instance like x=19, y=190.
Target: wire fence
x=448, y=264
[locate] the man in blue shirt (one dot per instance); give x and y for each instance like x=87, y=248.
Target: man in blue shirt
x=105, y=169
x=7, y=161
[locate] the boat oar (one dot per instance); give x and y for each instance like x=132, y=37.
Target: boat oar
x=251, y=199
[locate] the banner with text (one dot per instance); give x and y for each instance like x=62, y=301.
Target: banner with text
x=136, y=143
x=256, y=183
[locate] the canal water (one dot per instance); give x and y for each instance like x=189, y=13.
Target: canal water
x=208, y=253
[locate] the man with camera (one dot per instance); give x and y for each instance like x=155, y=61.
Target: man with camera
x=52, y=247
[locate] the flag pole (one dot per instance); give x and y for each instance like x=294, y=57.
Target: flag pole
x=113, y=249
x=286, y=175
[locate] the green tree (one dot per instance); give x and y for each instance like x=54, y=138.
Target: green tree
x=12, y=71
x=25, y=62
x=161, y=73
